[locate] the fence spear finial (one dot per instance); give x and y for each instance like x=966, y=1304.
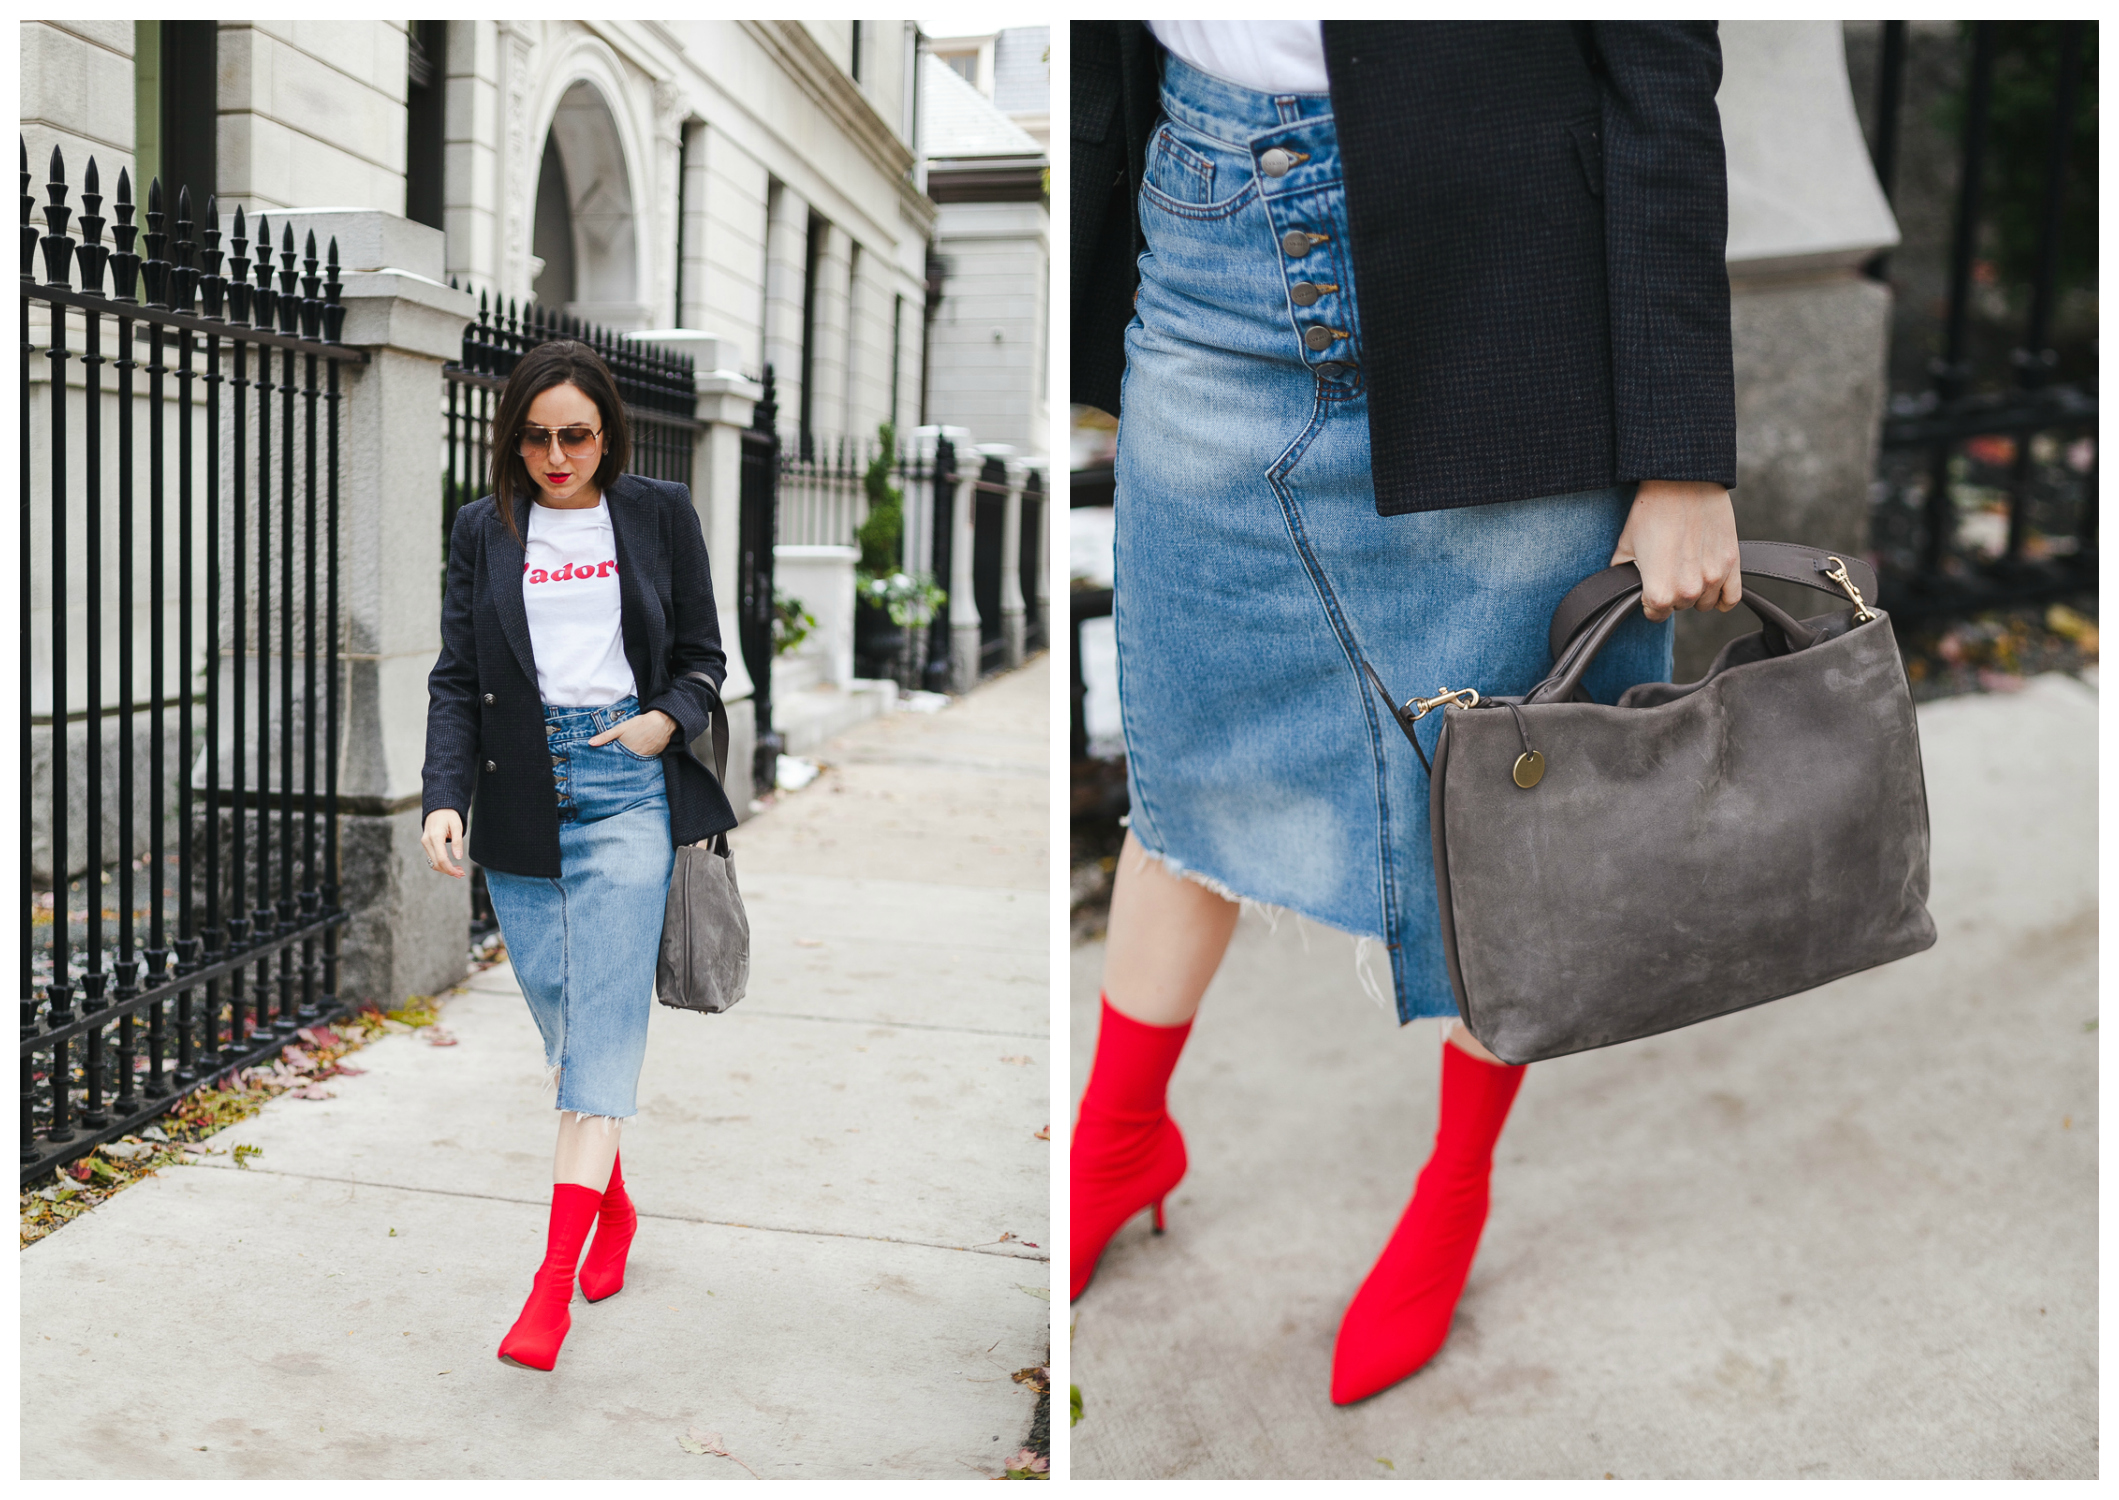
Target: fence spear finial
x=58, y=248
x=334, y=310
x=212, y=286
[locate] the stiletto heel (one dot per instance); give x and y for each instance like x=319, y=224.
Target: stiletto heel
x=1158, y=1216
x=603, y=1270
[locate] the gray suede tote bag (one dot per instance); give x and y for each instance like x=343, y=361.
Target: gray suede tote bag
x=705, y=959
x=1610, y=872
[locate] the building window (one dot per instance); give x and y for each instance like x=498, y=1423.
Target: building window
x=176, y=68
x=426, y=82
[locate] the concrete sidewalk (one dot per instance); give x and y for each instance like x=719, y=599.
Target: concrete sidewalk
x=1849, y=1235
x=825, y=1174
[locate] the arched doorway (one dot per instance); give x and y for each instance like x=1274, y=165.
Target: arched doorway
x=584, y=231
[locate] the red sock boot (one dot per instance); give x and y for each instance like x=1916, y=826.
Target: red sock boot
x=1401, y=1315
x=542, y=1328
x=1127, y=1153
x=603, y=1272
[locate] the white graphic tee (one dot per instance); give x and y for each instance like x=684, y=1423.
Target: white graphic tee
x=570, y=594
x=1274, y=57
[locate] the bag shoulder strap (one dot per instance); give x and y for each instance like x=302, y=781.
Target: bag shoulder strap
x=1788, y=561
x=718, y=719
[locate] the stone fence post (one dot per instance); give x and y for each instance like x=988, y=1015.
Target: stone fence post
x=964, y=619
x=1812, y=335
x=1012, y=627
x=409, y=929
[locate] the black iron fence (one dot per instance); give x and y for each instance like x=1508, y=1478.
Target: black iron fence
x=146, y=973
x=823, y=501
x=757, y=532
x=2019, y=455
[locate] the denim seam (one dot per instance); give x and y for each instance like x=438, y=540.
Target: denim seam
x=566, y=974
x=1276, y=476
x=1202, y=213
x=1142, y=811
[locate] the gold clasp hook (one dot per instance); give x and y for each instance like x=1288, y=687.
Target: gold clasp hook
x=1461, y=697
x=1838, y=574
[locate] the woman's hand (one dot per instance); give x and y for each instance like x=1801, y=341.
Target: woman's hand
x=1682, y=535
x=443, y=829
x=645, y=734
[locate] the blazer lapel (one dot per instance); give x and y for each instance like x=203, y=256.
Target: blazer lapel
x=639, y=611
x=506, y=553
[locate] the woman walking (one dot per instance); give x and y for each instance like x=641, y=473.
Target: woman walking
x=581, y=657
x=1416, y=325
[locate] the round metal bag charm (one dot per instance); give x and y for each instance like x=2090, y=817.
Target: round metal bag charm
x=1530, y=769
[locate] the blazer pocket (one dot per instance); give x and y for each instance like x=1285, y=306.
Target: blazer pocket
x=1589, y=152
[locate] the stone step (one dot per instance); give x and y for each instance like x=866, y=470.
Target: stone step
x=808, y=717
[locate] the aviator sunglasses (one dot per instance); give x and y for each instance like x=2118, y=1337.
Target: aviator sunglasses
x=573, y=441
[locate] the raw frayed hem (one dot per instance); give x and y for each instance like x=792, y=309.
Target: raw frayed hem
x=1248, y=906
x=610, y=1123
x=551, y=1079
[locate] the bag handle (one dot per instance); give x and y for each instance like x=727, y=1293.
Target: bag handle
x=1788, y=561
x=1561, y=682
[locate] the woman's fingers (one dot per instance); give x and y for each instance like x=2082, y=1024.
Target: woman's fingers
x=442, y=831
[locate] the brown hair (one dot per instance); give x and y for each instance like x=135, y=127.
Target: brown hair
x=561, y=362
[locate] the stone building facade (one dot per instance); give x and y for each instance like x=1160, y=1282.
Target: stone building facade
x=754, y=181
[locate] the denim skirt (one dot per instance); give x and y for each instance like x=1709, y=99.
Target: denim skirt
x=584, y=945
x=1252, y=568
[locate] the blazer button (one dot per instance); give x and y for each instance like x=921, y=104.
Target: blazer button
x=490, y=766
x=489, y=700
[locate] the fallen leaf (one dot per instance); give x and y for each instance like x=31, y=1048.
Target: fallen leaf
x=1043, y=1135
x=1074, y=1405
x=1036, y=1291
x=1388, y=1464
x=695, y=1441
x=1027, y=1464
x=347, y=1072
x=436, y=1037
